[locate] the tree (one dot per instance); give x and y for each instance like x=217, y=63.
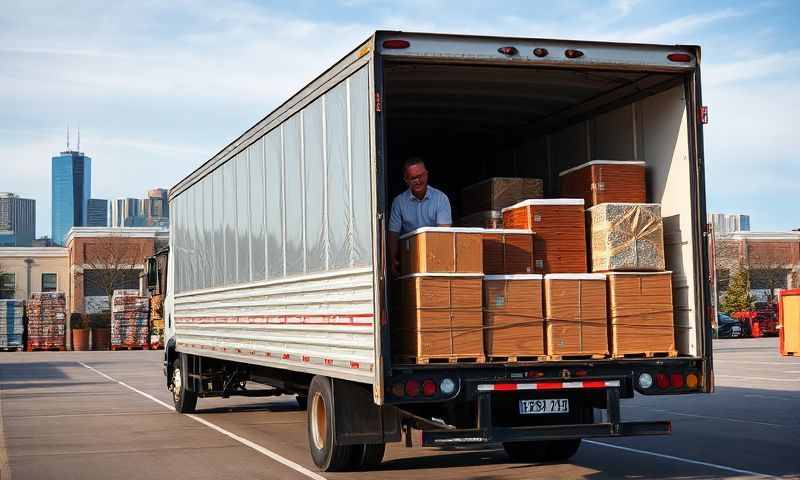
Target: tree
x=770, y=268
x=112, y=263
x=737, y=297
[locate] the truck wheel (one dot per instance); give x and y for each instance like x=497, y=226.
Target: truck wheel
x=328, y=456
x=184, y=400
x=368, y=456
x=542, y=451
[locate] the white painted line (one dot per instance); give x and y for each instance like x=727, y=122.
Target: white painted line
x=260, y=449
x=770, y=397
x=680, y=459
x=722, y=363
x=736, y=420
x=744, y=377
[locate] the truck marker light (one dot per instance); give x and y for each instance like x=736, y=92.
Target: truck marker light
x=540, y=52
x=571, y=53
x=692, y=380
x=398, y=389
x=412, y=388
x=581, y=373
x=447, y=386
x=428, y=388
x=395, y=44
x=662, y=380
x=676, y=379
x=679, y=57
x=645, y=381
x=507, y=50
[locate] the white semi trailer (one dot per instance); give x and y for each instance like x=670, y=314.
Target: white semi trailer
x=277, y=271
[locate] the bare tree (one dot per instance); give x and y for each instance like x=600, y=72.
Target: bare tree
x=770, y=267
x=112, y=262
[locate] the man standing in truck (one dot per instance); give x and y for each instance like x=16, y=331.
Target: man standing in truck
x=419, y=206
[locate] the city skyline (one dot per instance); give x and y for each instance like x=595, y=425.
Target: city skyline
x=71, y=187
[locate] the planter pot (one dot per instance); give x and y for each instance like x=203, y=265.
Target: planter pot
x=101, y=338
x=80, y=339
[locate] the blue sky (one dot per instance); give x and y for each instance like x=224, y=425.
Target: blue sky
x=159, y=87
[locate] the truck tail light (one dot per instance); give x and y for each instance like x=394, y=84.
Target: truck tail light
x=692, y=380
x=676, y=380
x=412, y=388
x=398, y=389
x=540, y=52
x=679, y=57
x=572, y=53
x=429, y=388
x=395, y=44
x=507, y=50
x=662, y=381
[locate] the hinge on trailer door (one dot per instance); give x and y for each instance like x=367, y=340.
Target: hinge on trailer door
x=377, y=101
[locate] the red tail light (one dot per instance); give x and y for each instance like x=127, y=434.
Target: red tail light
x=507, y=50
x=676, y=379
x=540, y=52
x=412, y=388
x=662, y=380
x=396, y=44
x=570, y=53
x=679, y=57
x=429, y=388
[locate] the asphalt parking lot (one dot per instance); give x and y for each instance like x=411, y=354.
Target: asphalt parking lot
x=87, y=415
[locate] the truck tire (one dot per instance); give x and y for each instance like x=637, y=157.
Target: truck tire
x=328, y=456
x=368, y=456
x=542, y=451
x=183, y=399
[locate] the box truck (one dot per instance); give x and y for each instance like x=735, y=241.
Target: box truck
x=277, y=270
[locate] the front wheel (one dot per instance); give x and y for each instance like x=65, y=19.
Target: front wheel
x=542, y=451
x=183, y=399
x=327, y=454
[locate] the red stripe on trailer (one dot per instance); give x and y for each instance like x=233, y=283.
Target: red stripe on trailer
x=285, y=356
x=306, y=358
x=328, y=362
x=504, y=387
x=595, y=384
x=354, y=365
x=549, y=386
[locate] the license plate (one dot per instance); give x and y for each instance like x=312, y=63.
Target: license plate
x=542, y=406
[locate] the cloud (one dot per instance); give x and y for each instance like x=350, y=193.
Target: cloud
x=624, y=7
x=675, y=31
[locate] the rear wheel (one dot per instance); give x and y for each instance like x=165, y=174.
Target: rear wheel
x=368, y=456
x=542, y=451
x=184, y=400
x=327, y=454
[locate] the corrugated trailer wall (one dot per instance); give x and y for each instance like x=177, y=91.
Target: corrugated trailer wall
x=273, y=250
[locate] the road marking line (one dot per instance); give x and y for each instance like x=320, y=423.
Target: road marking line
x=260, y=449
x=770, y=397
x=721, y=363
x=743, y=377
x=711, y=417
x=680, y=459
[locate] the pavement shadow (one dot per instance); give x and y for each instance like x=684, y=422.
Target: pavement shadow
x=34, y=371
x=275, y=406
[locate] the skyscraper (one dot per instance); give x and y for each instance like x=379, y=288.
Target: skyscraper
x=72, y=188
x=97, y=213
x=158, y=203
x=125, y=212
x=18, y=215
x=725, y=223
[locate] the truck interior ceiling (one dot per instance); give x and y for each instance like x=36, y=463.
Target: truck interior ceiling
x=473, y=122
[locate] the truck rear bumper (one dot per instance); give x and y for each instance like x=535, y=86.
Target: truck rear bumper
x=433, y=438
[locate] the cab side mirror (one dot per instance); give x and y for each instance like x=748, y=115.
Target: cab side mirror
x=152, y=274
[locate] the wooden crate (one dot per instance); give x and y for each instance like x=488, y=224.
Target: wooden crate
x=499, y=192
x=513, y=315
x=441, y=317
x=508, y=251
x=559, y=232
x=789, y=317
x=575, y=315
x=626, y=237
x=485, y=219
x=442, y=250
x=604, y=181
x=641, y=313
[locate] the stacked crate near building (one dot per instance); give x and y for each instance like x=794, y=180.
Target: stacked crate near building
x=12, y=326
x=130, y=320
x=156, y=321
x=47, y=314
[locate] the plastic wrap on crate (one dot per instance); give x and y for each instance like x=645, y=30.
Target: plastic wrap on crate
x=627, y=237
x=46, y=312
x=12, y=313
x=130, y=319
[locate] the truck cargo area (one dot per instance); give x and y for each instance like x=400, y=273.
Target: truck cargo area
x=473, y=122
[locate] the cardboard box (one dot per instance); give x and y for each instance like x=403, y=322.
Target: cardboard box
x=508, y=251
x=789, y=317
x=627, y=237
x=499, y=192
x=560, y=232
x=442, y=250
x=485, y=219
x=575, y=314
x=640, y=313
x=441, y=317
x=513, y=315
x=604, y=181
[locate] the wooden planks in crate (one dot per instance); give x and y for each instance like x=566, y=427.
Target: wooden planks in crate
x=575, y=315
x=513, y=315
x=627, y=237
x=605, y=181
x=560, y=232
x=499, y=192
x=442, y=250
x=441, y=317
x=484, y=219
x=641, y=313
x=508, y=251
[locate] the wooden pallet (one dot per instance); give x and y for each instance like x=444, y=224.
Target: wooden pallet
x=31, y=348
x=587, y=356
x=11, y=349
x=447, y=359
x=114, y=348
x=667, y=354
x=515, y=358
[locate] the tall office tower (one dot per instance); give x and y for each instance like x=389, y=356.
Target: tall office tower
x=125, y=213
x=158, y=203
x=72, y=188
x=18, y=215
x=97, y=213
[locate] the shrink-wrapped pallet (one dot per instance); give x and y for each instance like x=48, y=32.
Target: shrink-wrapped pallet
x=442, y=250
x=640, y=313
x=130, y=319
x=575, y=315
x=440, y=319
x=12, y=313
x=499, y=192
x=560, y=232
x=627, y=237
x=484, y=219
x=513, y=316
x=508, y=251
x=47, y=314
x=605, y=181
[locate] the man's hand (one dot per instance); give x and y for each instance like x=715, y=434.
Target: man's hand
x=394, y=250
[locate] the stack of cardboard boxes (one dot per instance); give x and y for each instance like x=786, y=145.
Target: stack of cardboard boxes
x=47, y=316
x=130, y=319
x=581, y=276
x=12, y=313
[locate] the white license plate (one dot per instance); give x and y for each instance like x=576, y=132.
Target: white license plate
x=546, y=405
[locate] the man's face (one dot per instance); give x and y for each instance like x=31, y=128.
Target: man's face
x=416, y=178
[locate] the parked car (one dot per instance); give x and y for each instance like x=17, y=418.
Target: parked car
x=727, y=327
